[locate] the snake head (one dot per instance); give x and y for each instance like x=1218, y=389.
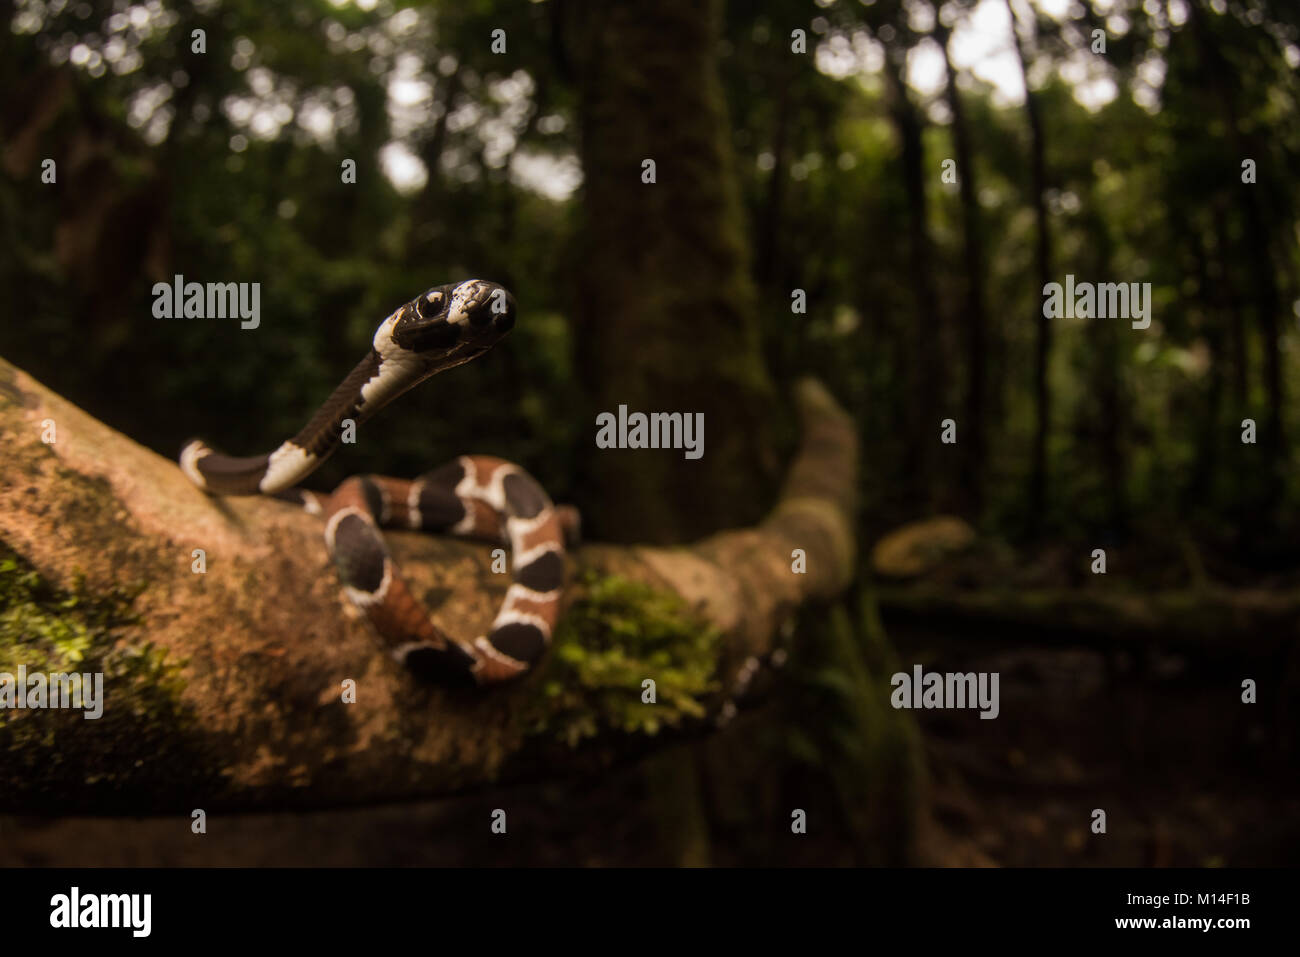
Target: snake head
x=454, y=322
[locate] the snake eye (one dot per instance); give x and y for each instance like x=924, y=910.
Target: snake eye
x=429, y=306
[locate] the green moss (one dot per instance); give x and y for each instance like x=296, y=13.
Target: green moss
x=64, y=630
x=618, y=633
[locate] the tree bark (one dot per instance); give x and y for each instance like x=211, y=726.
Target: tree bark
x=264, y=638
x=1038, y=479
x=666, y=317
x=927, y=384
x=976, y=319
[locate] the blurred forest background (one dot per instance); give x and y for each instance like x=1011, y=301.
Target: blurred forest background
x=778, y=170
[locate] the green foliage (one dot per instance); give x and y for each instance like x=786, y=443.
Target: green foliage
x=615, y=635
x=1142, y=424
x=332, y=258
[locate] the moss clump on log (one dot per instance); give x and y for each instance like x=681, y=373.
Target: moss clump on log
x=616, y=634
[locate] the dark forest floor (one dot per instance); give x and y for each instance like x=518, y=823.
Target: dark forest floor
x=1181, y=784
x=1144, y=725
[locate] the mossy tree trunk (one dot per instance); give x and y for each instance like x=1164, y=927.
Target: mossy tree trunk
x=666, y=307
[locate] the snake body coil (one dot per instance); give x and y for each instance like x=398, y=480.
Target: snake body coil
x=474, y=496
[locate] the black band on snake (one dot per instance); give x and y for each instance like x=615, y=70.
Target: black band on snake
x=474, y=496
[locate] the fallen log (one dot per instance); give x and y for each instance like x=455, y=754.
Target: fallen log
x=224, y=680
x=1210, y=622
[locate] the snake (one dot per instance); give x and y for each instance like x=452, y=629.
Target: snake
x=474, y=496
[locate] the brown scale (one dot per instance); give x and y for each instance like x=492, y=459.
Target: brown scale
x=490, y=669
x=399, y=618
x=487, y=523
x=545, y=532
x=547, y=609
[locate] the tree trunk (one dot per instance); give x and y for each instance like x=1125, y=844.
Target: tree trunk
x=1038, y=479
x=1209, y=290
x=666, y=317
x=1259, y=244
x=976, y=324
x=926, y=384
x=226, y=692
x=1236, y=321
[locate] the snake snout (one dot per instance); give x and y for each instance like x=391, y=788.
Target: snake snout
x=482, y=304
x=503, y=317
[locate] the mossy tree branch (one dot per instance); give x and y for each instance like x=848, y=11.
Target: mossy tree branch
x=223, y=689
